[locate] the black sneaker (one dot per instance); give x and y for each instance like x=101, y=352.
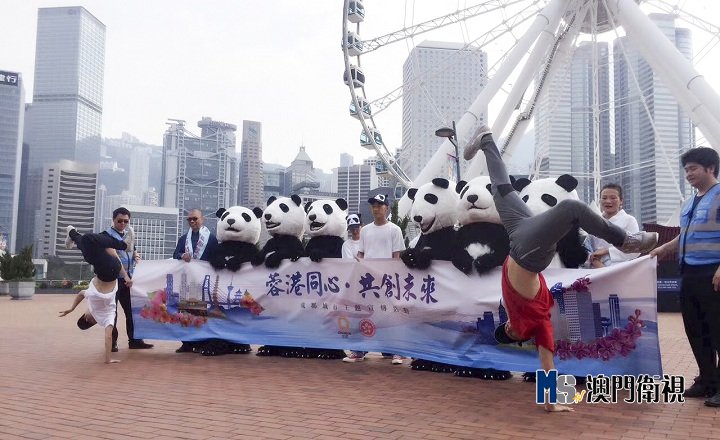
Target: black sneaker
x=698, y=389
x=714, y=401
x=114, y=349
x=139, y=345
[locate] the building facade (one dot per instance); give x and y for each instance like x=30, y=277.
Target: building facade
x=251, y=185
x=12, y=122
x=68, y=198
x=156, y=231
x=434, y=95
x=354, y=184
x=199, y=172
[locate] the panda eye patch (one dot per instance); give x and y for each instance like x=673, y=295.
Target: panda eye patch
x=431, y=198
x=462, y=193
x=550, y=200
x=284, y=207
x=328, y=209
x=526, y=198
x=224, y=215
x=246, y=217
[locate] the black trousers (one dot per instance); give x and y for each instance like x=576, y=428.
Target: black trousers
x=93, y=248
x=700, y=306
x=123, y=297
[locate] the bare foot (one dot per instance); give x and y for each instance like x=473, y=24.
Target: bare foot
x=113, y=361
x=474, y=145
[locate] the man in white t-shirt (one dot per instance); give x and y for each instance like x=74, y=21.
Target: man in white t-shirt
x=379, y=239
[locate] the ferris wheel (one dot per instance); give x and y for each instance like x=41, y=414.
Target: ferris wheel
x=533, y=42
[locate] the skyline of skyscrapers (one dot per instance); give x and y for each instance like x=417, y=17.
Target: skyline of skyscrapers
x=251, y=180
x=12, y=122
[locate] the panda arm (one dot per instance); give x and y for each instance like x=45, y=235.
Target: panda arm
x=461, y=259
x=409, y=255
x=262, y=254
x=217, y=257
x=571, y=250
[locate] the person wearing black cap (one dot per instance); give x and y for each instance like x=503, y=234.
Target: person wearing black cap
x=351, y=245
x=101, y=252
x=533, y=240
x=379, y=239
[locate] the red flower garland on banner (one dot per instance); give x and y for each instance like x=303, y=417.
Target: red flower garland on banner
x=158, y=312
x=619, y=342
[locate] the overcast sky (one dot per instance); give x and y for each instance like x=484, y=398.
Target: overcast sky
x=274, y=61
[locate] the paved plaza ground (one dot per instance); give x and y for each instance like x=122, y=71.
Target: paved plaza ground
x=54, y=385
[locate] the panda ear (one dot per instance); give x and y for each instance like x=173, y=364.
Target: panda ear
x=258, y=212
x=271, y=199
x=459, y=186
x=442, y=183
x=307, y=206
x=521, y=183
x=220, y=212
x=489, y=187
x=567, y=182
x=411, y=193
x=296, y=198
x=342, y=204
x=512, y=180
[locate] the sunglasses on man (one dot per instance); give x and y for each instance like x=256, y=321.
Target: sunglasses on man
x=192, y=219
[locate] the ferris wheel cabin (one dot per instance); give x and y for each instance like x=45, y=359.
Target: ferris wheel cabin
x=356, y=11
x=366, y=139
x=357, y=75
x=364, y=105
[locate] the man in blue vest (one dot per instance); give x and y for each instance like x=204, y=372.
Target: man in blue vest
x=698, y=247
x=120, y=227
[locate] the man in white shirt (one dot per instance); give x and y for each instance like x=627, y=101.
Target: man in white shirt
x=351, y=245
x=379, y=239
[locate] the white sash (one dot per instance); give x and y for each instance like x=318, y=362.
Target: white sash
x=201, y=244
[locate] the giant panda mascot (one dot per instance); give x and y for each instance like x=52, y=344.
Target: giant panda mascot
x=541, y=195
x=284, y=220
x=434, y=212
x=482, y=240
x=483, y=244
x=238, y=232
x=326, y=225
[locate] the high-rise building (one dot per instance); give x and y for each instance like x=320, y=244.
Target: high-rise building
x=614, y=302
x=440, y=82
x=68, y=198
x=199, y=172
x=108, y=203
x=139, y=171
x=250, y=190
x=64, y=121
x=354, y=183
x=302, y=172
x=156, y=231
x=276, y=182
x=66, y=115
x=12, y=121
x=651, y=130
x=565, y=132
x=346, y=160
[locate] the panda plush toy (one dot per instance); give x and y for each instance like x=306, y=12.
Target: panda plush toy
x=284, y=220
x=434, y=212
x=238, y=232
x=482, y=240
x=541, y=195
x=325, y=223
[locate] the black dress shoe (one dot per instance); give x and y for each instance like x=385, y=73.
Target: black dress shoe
x=139, y=345
x=714, y=401
x=186, y=347
x=698, y=389
x=114, y=349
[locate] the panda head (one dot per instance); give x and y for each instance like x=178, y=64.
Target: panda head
x=284, y=216
x=434, y=205
x=476, y=203
x=238, y=223
x=326, y=218
x=542, y=194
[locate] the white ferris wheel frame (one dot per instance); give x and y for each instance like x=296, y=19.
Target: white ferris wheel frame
x=545, y=36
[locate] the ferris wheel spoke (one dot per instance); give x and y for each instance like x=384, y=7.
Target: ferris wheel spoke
x=456, y=17
x=494, y=34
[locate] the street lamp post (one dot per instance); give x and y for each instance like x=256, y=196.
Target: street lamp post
x=451, y=135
